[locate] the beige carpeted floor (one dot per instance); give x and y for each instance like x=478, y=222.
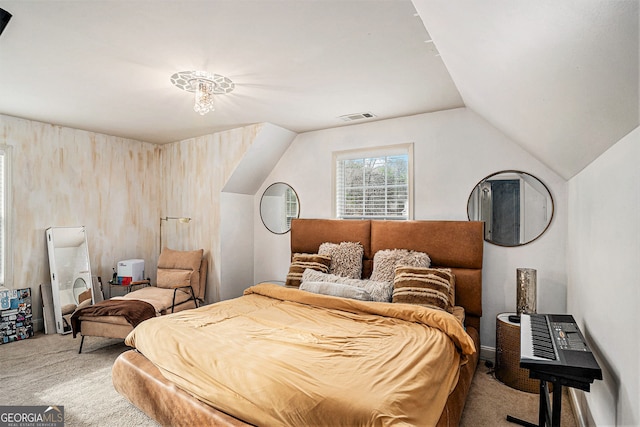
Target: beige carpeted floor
x=47, y=370
x=490, y=401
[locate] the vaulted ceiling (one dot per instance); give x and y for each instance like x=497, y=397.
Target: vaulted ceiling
x=559, y=77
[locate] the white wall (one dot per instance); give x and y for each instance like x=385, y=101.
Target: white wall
x=603, y=258
x=236, y=244
x=453, y=151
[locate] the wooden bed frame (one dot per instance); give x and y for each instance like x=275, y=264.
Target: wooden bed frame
x=450, y=244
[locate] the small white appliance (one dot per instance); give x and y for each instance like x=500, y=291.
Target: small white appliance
x=130, y=270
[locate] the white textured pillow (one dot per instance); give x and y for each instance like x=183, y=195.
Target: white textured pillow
x=336, y=290
x=346, y=258
x=386, y=261
x=379, y=291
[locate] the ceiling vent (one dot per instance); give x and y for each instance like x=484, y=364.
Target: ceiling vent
x=357, y=116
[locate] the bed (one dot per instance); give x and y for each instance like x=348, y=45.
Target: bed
x=285, y=356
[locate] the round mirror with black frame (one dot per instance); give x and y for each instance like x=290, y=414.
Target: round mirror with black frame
x=278, y=206
x=515, y=206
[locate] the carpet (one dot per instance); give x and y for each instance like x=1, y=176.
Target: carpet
x=47, y=370
x=490, y=401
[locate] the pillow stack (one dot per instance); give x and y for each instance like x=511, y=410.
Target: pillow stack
x=399, y=276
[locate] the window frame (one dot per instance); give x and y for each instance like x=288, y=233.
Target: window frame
x=373, y=152
x=6, y=255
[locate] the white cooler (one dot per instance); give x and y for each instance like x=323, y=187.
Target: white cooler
x=131, y=268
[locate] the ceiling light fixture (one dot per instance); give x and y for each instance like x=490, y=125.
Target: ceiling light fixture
x=205, y=85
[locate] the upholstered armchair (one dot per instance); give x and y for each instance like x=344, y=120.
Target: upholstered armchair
x=180, y=283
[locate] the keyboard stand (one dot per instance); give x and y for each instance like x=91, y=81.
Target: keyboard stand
x=549, y=416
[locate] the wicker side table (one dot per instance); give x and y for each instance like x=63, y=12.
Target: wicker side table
x=508, y=368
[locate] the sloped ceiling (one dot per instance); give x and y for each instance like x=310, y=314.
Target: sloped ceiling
x=266, y=149
x=559, y=77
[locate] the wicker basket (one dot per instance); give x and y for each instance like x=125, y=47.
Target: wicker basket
x=508, y=368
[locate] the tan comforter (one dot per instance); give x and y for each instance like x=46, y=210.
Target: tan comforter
x=280, y=356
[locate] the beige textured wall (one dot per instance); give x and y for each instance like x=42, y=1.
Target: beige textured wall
x=68, y=177
x=118, y=189
x=193, y=173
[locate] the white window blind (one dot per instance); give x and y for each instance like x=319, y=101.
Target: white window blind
x=373, y=184
x=291, y=206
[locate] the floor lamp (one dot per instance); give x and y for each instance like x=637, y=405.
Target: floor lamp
x=181, y=219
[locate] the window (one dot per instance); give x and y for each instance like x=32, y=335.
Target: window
x=291, y=206
x=5, y=186
x=374, y=183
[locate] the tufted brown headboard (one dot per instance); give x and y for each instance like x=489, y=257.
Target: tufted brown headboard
x=450, y=244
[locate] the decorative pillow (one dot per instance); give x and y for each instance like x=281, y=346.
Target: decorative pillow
x=379, y=291
x=336, y=290
x=459, y=313
x=429, y=287
x=173, y=278
x=186, y=260
x=386, y=261
x=346, y=258
x=302, y=262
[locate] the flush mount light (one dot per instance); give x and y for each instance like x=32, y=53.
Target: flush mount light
x=205, y=85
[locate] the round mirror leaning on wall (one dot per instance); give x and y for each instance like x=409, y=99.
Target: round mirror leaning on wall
x=515, y=206
x=278, y=206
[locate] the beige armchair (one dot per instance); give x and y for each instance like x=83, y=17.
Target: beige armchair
x=180, y=285
x=180, y=282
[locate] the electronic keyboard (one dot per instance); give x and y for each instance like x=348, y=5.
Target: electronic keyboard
x=553, y=344
x=554, y=350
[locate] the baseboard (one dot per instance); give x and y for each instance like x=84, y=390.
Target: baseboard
x=488, y=353
x=580, y=408
x=38, y=325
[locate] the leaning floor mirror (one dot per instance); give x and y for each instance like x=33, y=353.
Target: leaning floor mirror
x=71, y=283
